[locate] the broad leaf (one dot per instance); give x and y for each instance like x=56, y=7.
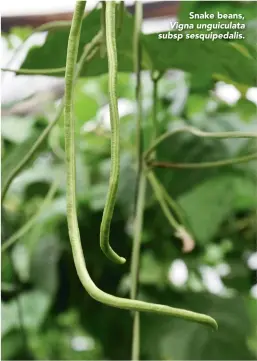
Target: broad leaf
x=34, y=306
x=44, y=261
x=158, y=54
x=173, y=339
x=213, y=201
x=16, y=129
x=16, y=156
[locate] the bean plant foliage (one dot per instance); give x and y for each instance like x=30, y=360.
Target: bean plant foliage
x=46, y=313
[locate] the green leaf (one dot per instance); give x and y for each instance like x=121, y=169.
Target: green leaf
x=44, y=261
x=20, y=257
x=66, y=339
x=16, y=156
x=185, y=148
x=247, y=110
x=21, y=32
x=56, y=210
x=127, y=184
x=16, y=129
x=151, y=271
x=34, y=306
x=85, y=106
x=41, y=171
x=202, y=63
x=238, y=277
x=207, y=206
x=245, y=193
x=56, y=43
x=9, y=314
x=174, y=339
x=158, y=54
x=196, y=107
x=8, y=351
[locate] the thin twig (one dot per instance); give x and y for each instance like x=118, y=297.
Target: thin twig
x=216, y=163
x=27, y=226
x=198, y=133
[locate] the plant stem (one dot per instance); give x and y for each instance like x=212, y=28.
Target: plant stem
x=31, y=152
x=136, y=262
x=136, y=337
x=140, y=183
x=120, y=15
x=170, y=201
x=35, y=71
x=28, y=225
x=155, y=79
x=159, y=196
x=103, y=29
x=137, y=69
x=198, y=133
x=110, y=14
x=217, y=163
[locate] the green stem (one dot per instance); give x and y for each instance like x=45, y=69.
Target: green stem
x=181, y=231
x=72, y=219
x=120, y=16
x=136, y=337
x=135, y=262
x=155, y=92
x=27, y=226
x=217, y=163
x=155, y=79
x=170, y=201
x=35, y=71
x=52, y=25
x=103, y=29
x=137, y=69
x=140, y=188
x=17, y=169
x=198, y=133
x=159, y=196
x=54, y=143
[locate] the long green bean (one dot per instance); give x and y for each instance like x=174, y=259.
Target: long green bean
x=115, y=136
x=73, y=228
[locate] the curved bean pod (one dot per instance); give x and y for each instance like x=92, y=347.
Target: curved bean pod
x=73, y=228
x=115, y=136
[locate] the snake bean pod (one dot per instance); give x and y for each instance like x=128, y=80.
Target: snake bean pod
x=73, y=228
x=115, y=136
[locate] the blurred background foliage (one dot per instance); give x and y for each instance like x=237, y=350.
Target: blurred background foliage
x=60, y=321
